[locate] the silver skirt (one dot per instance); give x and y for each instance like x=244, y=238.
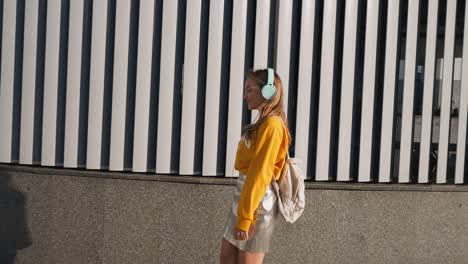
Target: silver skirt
x=267, y=213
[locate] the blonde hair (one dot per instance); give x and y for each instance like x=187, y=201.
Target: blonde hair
x=272, y=107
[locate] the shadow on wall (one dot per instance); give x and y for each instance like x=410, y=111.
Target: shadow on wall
x=14, y=232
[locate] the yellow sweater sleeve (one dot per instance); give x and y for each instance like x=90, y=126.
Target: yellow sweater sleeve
x=260, y=172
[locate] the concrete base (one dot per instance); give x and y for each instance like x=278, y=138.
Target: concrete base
x=73, y=219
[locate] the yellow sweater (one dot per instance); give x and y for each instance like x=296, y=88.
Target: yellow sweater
x=259, y=160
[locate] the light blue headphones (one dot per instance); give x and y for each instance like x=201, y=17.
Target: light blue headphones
x=269, y=89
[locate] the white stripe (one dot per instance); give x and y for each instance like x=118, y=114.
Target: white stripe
x=119, y=85
x=390, y=81
x=326, y=89
x=73, y=84
x=51, y=70
x=236, y=83
x=143, y=85
x=29, y=81
x=304, y=84
x=408, y=92
x=347, y=91
x=283, y=46
x=213, y=81
x=190, y=87
x=7, y=79
x=428, y=95
x=446, y=101
x=368, y=91
x=166, y=87
x=96, y=85
x=262, y=26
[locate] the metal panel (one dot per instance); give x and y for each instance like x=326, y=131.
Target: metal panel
x=236, y=83
x=29, y=81
x=463, y=113
x=96, y=85
x=368, y=91
x=304, y=84
x=51, y=70
x=73, y=84
x=213, y=81
x=189, y=98
x=445, y=107
x=119, y=87
x=237, y=64
x=7, y=79
x=166, y=87
x=347, y=90
x=143, y=84
x=428, y=95
x=408, y=92
x=283, y=46
x=262, y=29
x=326, y=90
x=390, y=79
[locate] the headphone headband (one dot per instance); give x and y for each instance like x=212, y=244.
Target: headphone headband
x=269, y=89
x=271, y=76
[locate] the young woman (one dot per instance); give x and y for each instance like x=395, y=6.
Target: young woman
x=260, y=156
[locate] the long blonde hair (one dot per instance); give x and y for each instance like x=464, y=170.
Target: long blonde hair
x=272, y=107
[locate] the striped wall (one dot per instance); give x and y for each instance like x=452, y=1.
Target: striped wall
x=376, y=90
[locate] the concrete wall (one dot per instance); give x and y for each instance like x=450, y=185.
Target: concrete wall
x=63, y=217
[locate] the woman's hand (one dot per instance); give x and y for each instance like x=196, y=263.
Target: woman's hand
x=243, y=235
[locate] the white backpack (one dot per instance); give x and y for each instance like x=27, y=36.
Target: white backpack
x=289, y=190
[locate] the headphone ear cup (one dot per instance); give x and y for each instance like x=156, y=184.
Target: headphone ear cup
x=268, y=91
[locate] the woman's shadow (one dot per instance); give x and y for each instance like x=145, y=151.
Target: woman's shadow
x=14, y=232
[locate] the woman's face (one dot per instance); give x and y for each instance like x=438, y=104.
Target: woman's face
x=252, y=94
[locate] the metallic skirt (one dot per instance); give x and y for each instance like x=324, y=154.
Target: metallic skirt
x=267, y=213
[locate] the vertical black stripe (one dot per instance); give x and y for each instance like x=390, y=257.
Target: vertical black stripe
x=224, y=87
x=378, y=92
x=154, y=93
x=336, y=93
x=294, y=70
x=249, y=52
x=417, y=95
x=357, y=91
x=84, y=83
x=177, y=98
x=272, y=33
x=108, y=82
x=315, y=90
x=62, y=81
x=399, y=89
x=131, y=85
x=201, y=87
x=18, y=80
x=39, y=91
x=413, y=157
